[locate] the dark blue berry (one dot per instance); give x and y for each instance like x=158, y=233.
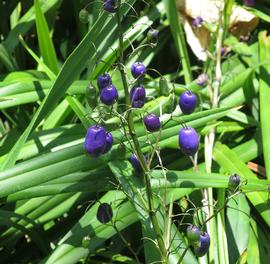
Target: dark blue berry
x=249, y=2
x=109, y=95
x=104, y=80
x=104, y=213
x=135, y=163
x=188, y=141
x=197, y=22
x=152, y=122
x=109, y=143
x=137, y=96
x=234, y=181
x=95, y=140
x=202, y=79
x=138, y=70
x=193, y=235
x=203, y=246
x=187, y=102
x=110, y=5
x=152, y=36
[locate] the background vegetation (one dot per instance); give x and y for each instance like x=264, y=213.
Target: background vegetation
x=50, y=189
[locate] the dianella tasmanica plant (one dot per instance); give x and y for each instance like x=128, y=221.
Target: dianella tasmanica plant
x=134, y=131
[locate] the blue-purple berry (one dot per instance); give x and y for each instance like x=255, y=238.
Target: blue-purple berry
x=109, y=142
x=110, y=5
x=104, y=80
x=187, y=102
x=95, y=140
x=109, y=95
x=193, y=235
x=135, y=163
x=188, y=141
x=152, y=122
x=137, y=96
x=152, y=36
x=202, y=79
x=234, y=182
x=104, y=213
x=249, y=2
x=138, y=70
x=197, y=22
x=203, y=246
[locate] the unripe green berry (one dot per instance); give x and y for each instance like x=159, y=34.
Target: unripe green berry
x=91, y=95
x=84, y=16
x=163, y=86
x=193, y=235
x=86, y=241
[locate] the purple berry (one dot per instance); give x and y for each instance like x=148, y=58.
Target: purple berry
x=95, y=140
x=109, y=142
x=204, y=244
x=152, y=36
x=249, y=2
x=135, y=163
x=104, y=213
x=104, y=80
x=187, y=102
x=137, y=96
x=108, y=95
x=193, y=235
x=197, y=22
x=138, y=70
x=188, y=141
x=110, y=5
x=152, y=123
x=234, y=182
x=202, y=79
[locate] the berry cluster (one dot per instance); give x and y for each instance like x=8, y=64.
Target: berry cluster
x=199, y=240
x=97, y=141
x=108, y=92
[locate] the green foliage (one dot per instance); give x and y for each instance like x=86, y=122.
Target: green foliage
x=51, y=189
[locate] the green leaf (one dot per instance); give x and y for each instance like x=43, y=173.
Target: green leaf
x=44, y=39
x=264, y=46
x=178, y=35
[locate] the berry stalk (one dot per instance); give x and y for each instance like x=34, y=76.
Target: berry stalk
x=146, y=170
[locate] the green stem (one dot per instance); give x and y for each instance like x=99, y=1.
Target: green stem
x=183, y=255
x=134, y=138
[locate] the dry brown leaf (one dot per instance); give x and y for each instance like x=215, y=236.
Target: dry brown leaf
x=242, y=22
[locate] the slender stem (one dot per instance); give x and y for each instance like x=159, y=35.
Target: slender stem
x=183, y=255
x=137, y=148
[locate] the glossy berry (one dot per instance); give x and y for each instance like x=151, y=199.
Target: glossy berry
x=188, y=141
x=234, y=181
x=138, y=70
x=187, y=102
x=249, y=2
x=86, y=241
x=110, y=5
x=83, y=16
x=152, y=122
x=104, y=213
x=204, y=244
x=137, y=96
x=197, y=22
x=91, y=95
x=193, y=235
x=152, y=36
x=202, y=79
x=135, y=163
x=109, y=142
x=95, y=140
x=104, y=80
x=109, y=95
